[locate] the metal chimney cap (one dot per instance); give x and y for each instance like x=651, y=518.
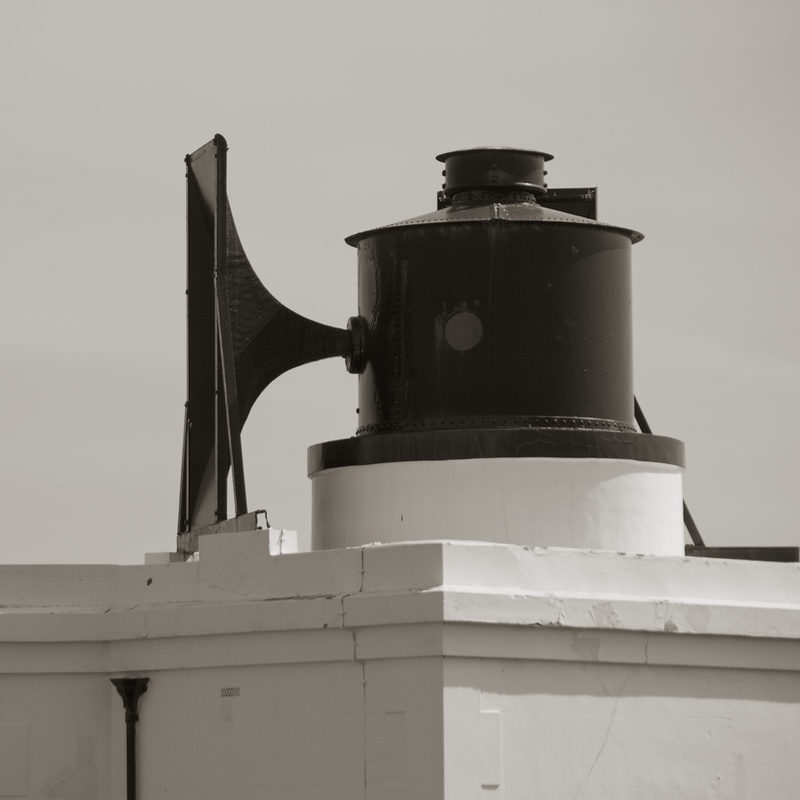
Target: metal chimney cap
x=545, y=156
x=494, y=184
x=494, y=168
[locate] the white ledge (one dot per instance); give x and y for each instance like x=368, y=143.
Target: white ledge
x=237, y=587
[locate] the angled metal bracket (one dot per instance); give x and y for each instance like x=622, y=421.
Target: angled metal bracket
x=688, y=521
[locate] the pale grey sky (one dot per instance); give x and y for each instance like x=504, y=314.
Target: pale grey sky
x=685, y=114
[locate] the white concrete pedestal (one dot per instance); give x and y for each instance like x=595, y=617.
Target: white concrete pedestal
x=588, y=503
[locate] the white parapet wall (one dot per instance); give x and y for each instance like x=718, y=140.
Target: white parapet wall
x=429, y=670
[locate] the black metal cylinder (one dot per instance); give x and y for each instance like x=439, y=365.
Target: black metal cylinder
x=491, y=167
x=495, y=312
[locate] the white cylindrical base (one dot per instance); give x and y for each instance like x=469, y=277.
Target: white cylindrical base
x=597, y=504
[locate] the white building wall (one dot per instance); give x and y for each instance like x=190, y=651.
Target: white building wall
x=518, y=729
x=428, y=670
x=56, y=733
x=293, y=730
x=405, y=728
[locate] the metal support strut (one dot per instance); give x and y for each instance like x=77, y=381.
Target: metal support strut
x=641, y=421
x=131, y=689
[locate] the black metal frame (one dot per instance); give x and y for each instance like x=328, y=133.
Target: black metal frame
x=211, y=442
x=581, y=202
x=239, y=339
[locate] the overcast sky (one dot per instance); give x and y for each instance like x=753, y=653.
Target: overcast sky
x=686, y=115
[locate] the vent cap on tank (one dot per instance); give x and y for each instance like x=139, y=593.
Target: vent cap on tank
x=494, y=168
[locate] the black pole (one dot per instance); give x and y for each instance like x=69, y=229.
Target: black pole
x=688, y=521
x=130, y=690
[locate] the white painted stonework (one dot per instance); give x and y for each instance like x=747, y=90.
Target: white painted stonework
x=589, y=503
x=426, y=670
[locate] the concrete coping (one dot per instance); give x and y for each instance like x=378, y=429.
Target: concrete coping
x=238, y=567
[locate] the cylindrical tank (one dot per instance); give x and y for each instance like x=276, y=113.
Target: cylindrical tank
x=497, y=346
x=494, y=311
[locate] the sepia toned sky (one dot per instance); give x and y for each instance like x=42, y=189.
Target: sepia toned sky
x=686, y=115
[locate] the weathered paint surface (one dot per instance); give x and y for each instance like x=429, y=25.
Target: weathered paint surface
x=618, y=731
x=78, y=780
x=62, y=744
x=420, y=670
x=13, y=760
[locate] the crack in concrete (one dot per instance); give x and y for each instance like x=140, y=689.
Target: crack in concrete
x=79, y=780
x=571, y=509
x=606, y=738
x=253, y=594
x=342, y=598
x=363, y=673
